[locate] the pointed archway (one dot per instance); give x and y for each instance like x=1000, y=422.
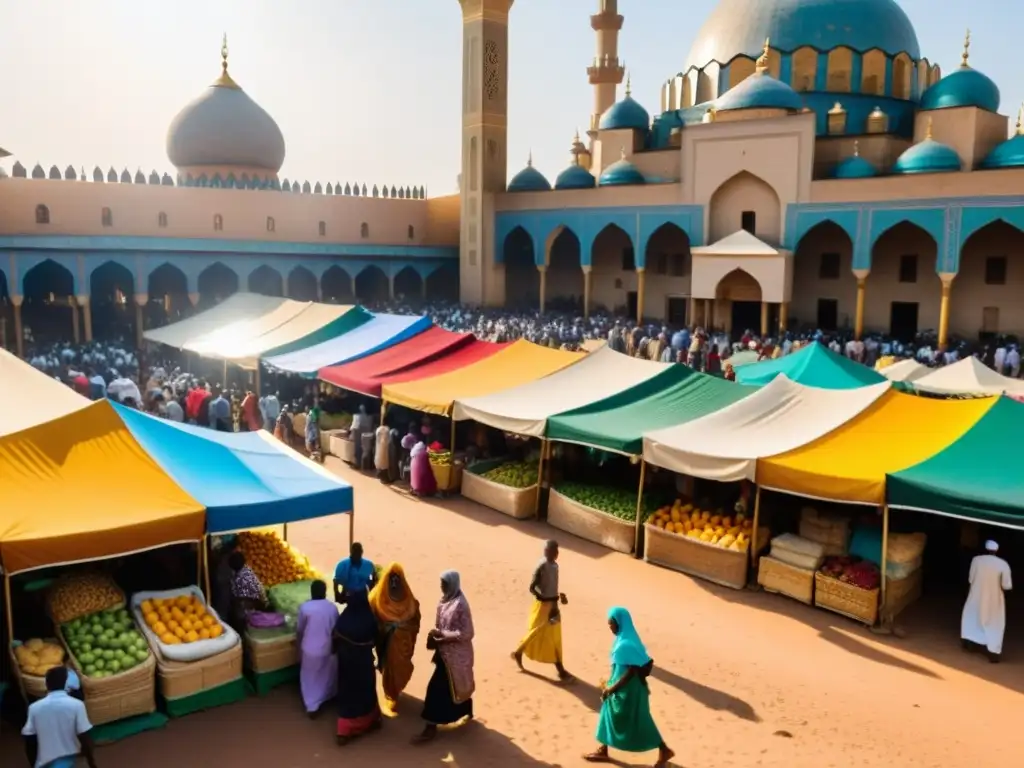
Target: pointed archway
x=48, y=289
x=409, y=286
x=985, y=296
x=738, y=302
x=443, y=284
x=336, y=286
x=522, y=280
x=215, y=284
x=372, y=285
x=613, y=272
x=112, y=300
x=266, y=281
x=565, y=272
x=903, y=290
x=167, y=287
x=824, y=286
x=302, y=285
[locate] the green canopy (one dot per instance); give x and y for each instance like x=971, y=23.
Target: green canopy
x=978, y=477
x=813, y=366
x=677, y=395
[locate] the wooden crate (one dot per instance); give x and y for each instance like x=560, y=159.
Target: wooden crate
x=271, y=655
x=177, y=679
x=727, y=567
x=785, y=579
x=589, y=523
x=520, y=503
x=901, y=593
x=846, y=599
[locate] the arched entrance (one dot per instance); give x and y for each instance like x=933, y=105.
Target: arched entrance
x=167, y=287
x=565, y=272
x=443, y=284
x=745, y=202
x=215, y=284
x=112, y=302
x=336, y=286
x=985, y=299
x=613, y=272
x=522, y=280
x=49, y=289
x=738, y=303
x=409, y=286
x=302, y=285
x=824, y=286
x=669, y=266
x=903, y=291
x=372, y=285
x=266, y=281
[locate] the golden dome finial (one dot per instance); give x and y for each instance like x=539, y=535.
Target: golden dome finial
x=967, y=50
x=928, y=130
x=224, y=81
x=762, y=61
x=856, y=148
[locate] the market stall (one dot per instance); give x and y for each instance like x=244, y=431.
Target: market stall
x=969, y=376
x=849, y=465
x=377, y=333
x=39, y=398
x=908, y=370
x=78, y=489
x=525, y=410
x=617, y=424
x=725, y=446
x=814, y=366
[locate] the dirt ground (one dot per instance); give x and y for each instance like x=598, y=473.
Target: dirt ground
x=741, y=678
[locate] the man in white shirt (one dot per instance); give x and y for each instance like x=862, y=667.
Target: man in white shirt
x=984, y=617
x=1013, y=361
x=57, y=727
x=270, y=409
x=999, y=363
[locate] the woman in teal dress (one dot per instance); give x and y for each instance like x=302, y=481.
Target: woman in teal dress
x=626, y=721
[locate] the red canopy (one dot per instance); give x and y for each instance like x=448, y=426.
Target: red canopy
x=431, y=353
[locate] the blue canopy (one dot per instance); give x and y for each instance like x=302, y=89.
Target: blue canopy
x=244, y=479
x=381, y=332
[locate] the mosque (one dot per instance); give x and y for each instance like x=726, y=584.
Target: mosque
x=809, y=166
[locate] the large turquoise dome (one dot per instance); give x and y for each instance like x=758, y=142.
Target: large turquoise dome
x=963, y=87
x=928, y=156
x=739, y=27
x=760, y=91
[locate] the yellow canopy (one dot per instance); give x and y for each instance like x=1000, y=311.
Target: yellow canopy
x=81, y=488
x=519, y=363
x=849, y=464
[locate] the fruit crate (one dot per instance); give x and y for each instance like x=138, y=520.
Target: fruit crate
x=727, y=567
x=785, y=579
x=589, y=523
x=846, y=599
x=520, y=503
x=179, y=679
x=278, y=651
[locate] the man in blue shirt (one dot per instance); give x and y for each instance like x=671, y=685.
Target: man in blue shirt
x=57, y=727
x=352, y=574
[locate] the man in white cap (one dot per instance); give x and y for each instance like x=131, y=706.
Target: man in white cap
x=984, y=617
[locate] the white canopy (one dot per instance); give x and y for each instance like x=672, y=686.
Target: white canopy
x=525, y=409
x=31, y=397
x=783, y=415
x=969, y=376
x=905, y=370
x=234, y=310
x=740, y=243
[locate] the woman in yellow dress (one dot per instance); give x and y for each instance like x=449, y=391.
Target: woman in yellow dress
x=398, y=623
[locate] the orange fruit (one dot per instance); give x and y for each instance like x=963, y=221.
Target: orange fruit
x=204, y=634
x=146, y=606
x=160, y=629
x=172, y=640
x=168, y=638
x=186, y=625
x=191, y=637
x=216, y=630
x=151, y=618
x=208, y=621
x=179, y=633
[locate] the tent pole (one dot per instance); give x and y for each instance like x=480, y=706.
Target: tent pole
x=351, y=528
x=542, y=465
x=383, y=410
x=206, y=567
x=885, y=559
x=284, y=531
x=452, y=444
x=639, y=510
x=256, y=379
x=8, y=609
x=757, y=522
x=224, y=379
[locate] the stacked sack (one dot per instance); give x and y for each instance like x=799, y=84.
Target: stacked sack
x=798, y=552
x=905, y=554
x=831, y=531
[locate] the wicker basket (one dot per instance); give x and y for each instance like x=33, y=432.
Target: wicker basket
x=846, y=599
x=590, y=524
x=177, y=679
x=785, y=579
x=32, y=686
x=270, y=655
x=900, y=593
x=519, y=503
x=727, y=567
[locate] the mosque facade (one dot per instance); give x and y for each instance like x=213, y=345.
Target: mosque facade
x=75, y=243
x=809, y=166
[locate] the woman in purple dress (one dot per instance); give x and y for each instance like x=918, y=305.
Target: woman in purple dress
x=422, y=481
x=318, y=666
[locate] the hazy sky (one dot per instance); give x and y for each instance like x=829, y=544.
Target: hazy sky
x=364, y=90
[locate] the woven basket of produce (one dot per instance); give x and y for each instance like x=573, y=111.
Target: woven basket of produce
x=79, y=594
x=846, y=599
x=32, y=659
x=447, y=472
x=273, y=560
x=268, y=651
x=509, y=488
x=785, y=579
x=615, y=530
x=178, y=679
x=717, y=564
x=831, y=531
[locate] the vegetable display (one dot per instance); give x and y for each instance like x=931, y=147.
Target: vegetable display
x=440, y=457
x=852, y=570
x=80, y=594
x=515, y=474
x=105, y=643
x=273, y=560
x=37, y=657
x=684, y=519
x=180, y=620
x=617, y=502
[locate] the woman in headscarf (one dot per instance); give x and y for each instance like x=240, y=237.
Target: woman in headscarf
x=625, y=721
x=355, y=634
x=421, y=477
x=398, y=623
x=318, y=666
x=449, y=696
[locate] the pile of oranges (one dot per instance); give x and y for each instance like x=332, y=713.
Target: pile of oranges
x=273, y=560
x=177, y=620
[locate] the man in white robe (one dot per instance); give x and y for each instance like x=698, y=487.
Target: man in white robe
x=984, y=617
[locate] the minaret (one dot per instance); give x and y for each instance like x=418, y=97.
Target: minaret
x=484, y=146
x=606, y=72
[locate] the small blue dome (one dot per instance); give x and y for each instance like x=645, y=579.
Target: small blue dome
x=1009, y=154
x=620, y=174
x=760, y=91
x=855, y=167
x=964, y=87
x=929, y=156
x=625, y=114
x=529, y=180
x=575, y=177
